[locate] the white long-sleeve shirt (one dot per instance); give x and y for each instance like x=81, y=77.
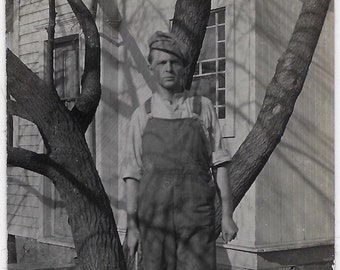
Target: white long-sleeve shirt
x=181, y=106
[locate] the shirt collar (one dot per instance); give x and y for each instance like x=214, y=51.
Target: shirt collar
x=178, y=98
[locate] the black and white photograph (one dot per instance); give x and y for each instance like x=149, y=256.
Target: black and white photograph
x=170, y=134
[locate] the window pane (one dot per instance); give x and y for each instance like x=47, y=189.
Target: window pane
x=221, y=32
x=71, y=80
x=212, y=61
x=221, y=97
x=209, y=45
x=221, y=49
x=221, y=112
x=205, y=86
x=59, y=73
x=208, y=67
x=221, y=65
x=66, y=70
x=221, y=16
x=221, y=80
x=211, y=19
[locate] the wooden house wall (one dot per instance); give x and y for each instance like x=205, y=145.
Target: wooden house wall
x=295, y=191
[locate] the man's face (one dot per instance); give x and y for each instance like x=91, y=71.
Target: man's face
x=167, y=69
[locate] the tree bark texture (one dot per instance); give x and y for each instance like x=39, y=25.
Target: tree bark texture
x=281, y=93
x=68, y=162
x=189, y=25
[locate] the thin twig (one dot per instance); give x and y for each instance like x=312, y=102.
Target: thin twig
x=50, y=44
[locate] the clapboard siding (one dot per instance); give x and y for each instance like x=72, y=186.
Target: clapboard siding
x=23, y=210
x=34, y=17
x=23, y=231
x=31, y=28
x=23, y=192
x=18, y=200
x=32, y=180
x=295, y=190
x=31, y=37
x=32, y=46
x=20, y=172
x=28, y=58
x=29, y=2
x=28, y=129
x=24, y=221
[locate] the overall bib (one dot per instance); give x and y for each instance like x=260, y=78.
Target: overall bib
x=176, y=197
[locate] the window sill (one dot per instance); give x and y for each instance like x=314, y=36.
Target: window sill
x=57, y=242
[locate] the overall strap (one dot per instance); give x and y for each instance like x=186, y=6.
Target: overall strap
x=147, y=106
x=197, y=105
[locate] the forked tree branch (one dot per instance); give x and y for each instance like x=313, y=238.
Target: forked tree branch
x=87, y=103
x=30, y=92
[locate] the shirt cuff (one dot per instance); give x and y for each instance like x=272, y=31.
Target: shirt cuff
x=220, y=156
x=132, y=173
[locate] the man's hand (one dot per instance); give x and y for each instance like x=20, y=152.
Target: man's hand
x=133, y=235
x=133, y=241
x=229, y=229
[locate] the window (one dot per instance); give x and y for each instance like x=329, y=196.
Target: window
x=66, y=69
x=209, y=77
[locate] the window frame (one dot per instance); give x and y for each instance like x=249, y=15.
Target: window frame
x=59, y=43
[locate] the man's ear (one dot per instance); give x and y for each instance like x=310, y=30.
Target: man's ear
x=150, y=68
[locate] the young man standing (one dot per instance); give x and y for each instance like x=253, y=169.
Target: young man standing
x=174, y=139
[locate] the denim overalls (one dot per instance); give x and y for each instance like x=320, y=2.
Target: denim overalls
x=176, y=195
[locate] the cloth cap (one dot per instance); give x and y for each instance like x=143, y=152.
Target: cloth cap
x=167, y=42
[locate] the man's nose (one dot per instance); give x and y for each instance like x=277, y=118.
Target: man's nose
x=168, y=66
